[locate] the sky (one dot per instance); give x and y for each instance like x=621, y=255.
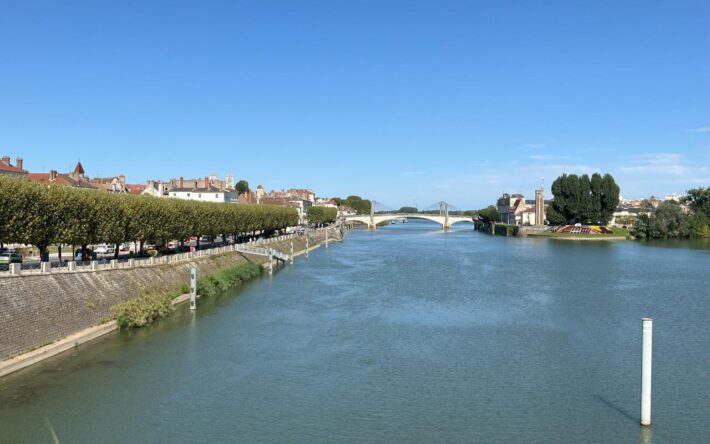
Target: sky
x=407, y=102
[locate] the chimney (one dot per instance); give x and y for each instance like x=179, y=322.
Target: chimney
x=18, y=163
x=207, y=182
x=52, y=175
x=182, y=182
x=6, y=159
x=122, y=180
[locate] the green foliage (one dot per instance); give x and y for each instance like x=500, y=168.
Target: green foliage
x=242, y=186
x=579, y=199
x=357, y=203
x=143, y=310
x=489, y=213
x=321, y=215
x=554, y=217
x=698, y=199
x=669, y=220
x=217, y=283
x=506, y=230
x=42, y=215
x=408, y=210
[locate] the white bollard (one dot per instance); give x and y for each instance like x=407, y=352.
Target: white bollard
x=306, y=246
x=94, y=265
x=646, y=358
x=71, y=266
x=15, y=269
x=271, y=262
x=114, y=264
x=326, y=238
x=193, y=288
x=131, y=263
x=45, y=267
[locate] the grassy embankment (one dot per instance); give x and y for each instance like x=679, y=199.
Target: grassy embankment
x=154, y=304
x=618, y=234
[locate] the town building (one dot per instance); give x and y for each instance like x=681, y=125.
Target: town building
x=204, y=192
x=8, y=169
x=510, y=208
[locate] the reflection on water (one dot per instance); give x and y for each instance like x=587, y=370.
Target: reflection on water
x=402, y=334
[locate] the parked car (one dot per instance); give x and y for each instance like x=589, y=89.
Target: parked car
x=173, y=244
x=10, y=258
x=124, y=247
x=104, y=249
x=205, y=239
x=149, y=246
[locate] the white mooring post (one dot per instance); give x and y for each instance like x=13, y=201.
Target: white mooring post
x=271, y=261
x=291, y=252
x=326, y=238
x=646, y=358
x=306, y=245
x=193, y=288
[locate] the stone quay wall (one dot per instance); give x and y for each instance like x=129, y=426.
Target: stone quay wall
x=39, y=309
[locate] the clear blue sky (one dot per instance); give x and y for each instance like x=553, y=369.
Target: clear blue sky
x=401, y=101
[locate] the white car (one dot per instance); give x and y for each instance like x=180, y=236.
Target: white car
x=104, y=249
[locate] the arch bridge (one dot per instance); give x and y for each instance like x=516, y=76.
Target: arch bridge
x=443, y=218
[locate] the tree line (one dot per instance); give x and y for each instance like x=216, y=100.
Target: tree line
x=357, y=203
x=321, y=215
x=43, y=215
x=670, y=220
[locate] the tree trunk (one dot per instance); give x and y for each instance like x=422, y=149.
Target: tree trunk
x=59, y=251
x=115, y=252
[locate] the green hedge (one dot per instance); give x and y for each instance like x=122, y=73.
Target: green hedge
x=41, y=215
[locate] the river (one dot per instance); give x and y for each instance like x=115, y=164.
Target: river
x=405, y=334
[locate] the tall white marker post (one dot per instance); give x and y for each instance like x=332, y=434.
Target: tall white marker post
x=306, y=245
x=326, y=238
x=193, y=288
x=646, y=355
x=291, y=252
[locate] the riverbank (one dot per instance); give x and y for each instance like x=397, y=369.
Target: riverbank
x=45, y=315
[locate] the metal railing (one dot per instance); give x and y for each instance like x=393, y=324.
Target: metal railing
x=258, y=246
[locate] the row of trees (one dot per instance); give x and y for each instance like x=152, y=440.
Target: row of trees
x=321, y=215
x=357, y=203
x=670, y=220
x=581, y=199
x=44, y=215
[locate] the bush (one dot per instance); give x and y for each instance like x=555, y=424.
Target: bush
x=142, y=310
x=218, y=283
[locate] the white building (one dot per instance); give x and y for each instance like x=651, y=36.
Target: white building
x=209, y=194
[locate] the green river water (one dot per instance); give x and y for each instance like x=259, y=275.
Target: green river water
x=406, y=334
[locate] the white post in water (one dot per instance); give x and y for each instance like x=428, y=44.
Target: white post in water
x=193, y=288
x=326, y=238
x=646, y=354
x=271, y=261
x=306, y=245
x=291, y=252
